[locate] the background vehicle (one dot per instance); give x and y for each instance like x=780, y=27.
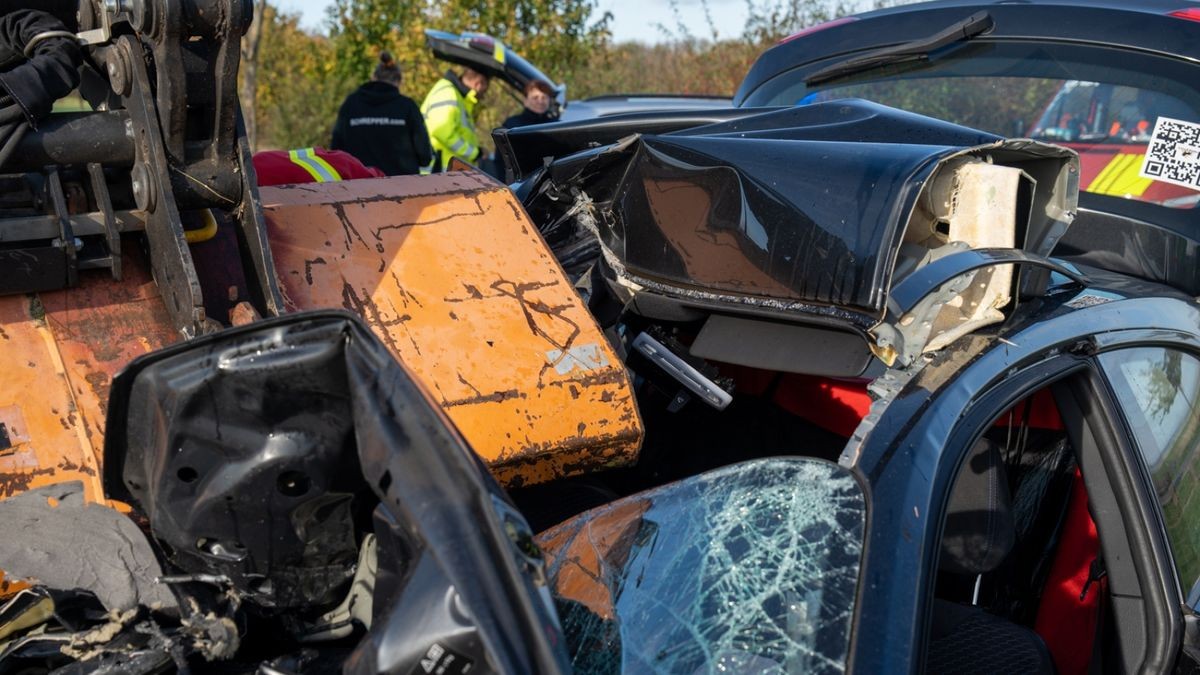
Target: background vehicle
x=1007, y=68
x=617, y=104
x=489, y=55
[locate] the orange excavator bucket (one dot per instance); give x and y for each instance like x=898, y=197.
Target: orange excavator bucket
x=451, y=274
x=447, y=269
x=59, y=351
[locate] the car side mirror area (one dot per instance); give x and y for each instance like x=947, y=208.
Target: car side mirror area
x=295, y=477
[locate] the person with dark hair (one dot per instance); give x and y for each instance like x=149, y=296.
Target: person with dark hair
x=538, y=96
x=449, y=111
x=382, y=127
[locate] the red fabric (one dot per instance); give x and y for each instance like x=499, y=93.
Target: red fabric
x=1043, y=413
x=834, y=405
x=1066, y=623
x=838, y=405
x=274, y=167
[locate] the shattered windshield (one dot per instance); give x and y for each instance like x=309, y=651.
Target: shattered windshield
x=751, y=568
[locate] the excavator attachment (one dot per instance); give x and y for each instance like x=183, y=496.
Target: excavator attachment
x=451, y=274
x=59, y=351
x=98, y=265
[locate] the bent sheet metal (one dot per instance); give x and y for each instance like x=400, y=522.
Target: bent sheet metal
x=458, y=283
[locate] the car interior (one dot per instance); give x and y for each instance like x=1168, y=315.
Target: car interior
x=1037, y=569
x=1016, y=533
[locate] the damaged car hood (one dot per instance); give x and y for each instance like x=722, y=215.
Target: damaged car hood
x=810, y=213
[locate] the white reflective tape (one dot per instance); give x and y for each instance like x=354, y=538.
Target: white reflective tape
x=439, y=104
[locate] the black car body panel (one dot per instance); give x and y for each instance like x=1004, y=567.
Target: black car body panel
x=1140, y=248
x=1152, y=44
x=909, y=452
x=621, y=104
x=1145, y=26
x=704, y=216
x=525, y=149
x=264, y=456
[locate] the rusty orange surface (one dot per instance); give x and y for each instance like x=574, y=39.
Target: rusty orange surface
x=58, y=354
x=456, y=280
x=43, y=440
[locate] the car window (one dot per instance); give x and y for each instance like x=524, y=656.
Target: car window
x=1159, y=393
x=752, y=568
x=1101, y=102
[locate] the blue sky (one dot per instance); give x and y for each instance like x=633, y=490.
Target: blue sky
x=632, y=19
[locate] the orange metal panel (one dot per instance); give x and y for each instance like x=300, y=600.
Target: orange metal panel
x=58, y=354
x=456, y=280
x=43, y=441
x=99, y=327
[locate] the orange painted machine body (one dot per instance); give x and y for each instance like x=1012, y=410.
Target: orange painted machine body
x=451, y=274
x=447, y=269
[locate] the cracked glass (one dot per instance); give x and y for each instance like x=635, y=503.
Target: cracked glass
x=750, y=568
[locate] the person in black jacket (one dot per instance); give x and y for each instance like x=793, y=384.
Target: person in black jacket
x=382, y=127
x=538, y=95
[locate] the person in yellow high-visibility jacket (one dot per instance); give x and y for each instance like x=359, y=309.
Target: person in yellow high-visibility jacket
x=449, y=111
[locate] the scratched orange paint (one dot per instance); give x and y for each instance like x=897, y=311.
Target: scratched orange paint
x=456, y=280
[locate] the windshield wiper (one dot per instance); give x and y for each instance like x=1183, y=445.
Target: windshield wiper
x=915, y=50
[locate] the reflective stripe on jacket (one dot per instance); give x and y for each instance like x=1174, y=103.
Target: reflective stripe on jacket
x=320, y=170
x=449, y=117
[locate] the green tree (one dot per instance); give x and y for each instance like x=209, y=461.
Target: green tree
x=297, y=91
x=557, y=34
x=773, y=20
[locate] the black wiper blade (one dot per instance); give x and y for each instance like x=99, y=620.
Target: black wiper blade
x=911, y=51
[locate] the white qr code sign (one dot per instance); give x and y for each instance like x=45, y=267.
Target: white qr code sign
x=1173, y=155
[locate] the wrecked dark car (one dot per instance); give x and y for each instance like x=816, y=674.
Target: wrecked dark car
x=745, y=262
x=889, y=301
x=898, y=416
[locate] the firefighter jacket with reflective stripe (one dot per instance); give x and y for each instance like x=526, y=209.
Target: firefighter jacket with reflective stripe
x=308, y=165
x=320, y=170
x=449, y=112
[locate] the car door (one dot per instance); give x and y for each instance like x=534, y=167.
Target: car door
x=1157, y=390
x=917, y=444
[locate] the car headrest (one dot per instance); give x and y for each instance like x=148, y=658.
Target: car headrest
x=979, y=521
